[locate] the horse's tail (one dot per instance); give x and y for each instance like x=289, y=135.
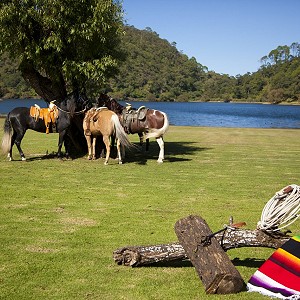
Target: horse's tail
x=120, y=133
x=6, y=139
x=156, y=133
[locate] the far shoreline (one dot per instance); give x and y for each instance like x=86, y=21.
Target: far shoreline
x=174, y=101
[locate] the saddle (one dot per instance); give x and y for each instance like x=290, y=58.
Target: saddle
x=133, y=116
x=92, y=116
x=49, y=115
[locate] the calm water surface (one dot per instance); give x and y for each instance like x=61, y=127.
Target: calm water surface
x=219, y=114
x=212, y=114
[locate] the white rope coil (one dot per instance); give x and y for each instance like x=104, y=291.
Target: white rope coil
x=281, y=210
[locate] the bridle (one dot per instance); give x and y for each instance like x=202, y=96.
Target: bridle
x=74, y=113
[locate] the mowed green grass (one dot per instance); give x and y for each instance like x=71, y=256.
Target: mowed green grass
x=61, y=220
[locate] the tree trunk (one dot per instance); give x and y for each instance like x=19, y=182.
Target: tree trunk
x=212, y=264
x=48, y=89
x=174, y=252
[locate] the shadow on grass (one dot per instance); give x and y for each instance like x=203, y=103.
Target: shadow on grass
x=174, y=152
x=248, y=262
x=170, y=264
x=46, y=156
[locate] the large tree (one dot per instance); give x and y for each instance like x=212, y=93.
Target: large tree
x=62, y=46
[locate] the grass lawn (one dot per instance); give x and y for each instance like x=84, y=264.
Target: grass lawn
x=61, y=220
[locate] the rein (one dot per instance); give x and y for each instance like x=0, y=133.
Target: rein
x=74, y=113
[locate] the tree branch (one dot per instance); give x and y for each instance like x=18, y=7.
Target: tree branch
x=232, y=238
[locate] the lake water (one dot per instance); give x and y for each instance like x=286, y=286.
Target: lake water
x=211, y=114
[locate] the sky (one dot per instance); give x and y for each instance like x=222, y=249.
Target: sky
x=227, y=36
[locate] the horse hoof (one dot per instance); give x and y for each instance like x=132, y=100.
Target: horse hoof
x=89, y=158
x=120, y=162
x=160, y=161
x=23, y=158
x=105, y=163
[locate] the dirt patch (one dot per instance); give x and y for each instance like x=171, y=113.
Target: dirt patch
x=78, y=221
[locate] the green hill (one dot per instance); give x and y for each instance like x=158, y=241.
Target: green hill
x=155, y=70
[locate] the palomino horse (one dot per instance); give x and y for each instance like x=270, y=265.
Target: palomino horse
x=153, y=123
x=102, y=121
x=19, y=120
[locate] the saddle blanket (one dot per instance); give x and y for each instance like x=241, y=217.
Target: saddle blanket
x=279, y=276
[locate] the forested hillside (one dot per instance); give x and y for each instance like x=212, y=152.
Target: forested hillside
x=155, y=70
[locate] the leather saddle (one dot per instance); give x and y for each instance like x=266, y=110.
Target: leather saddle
x=131, y=115
x=92, y=116
x=49, y=115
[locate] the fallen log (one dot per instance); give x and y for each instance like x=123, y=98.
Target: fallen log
x=231, y=238
x=214, y=267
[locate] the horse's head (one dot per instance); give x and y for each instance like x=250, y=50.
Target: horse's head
x=110, y=103
x=104, y=100
x=73, y=104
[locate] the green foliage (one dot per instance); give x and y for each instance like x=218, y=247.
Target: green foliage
x=61, y=220
x=75, y=39
x=276, y=81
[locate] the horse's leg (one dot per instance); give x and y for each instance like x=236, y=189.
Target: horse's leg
x=147, y=144
x=123, y=151
x=119, y=151
x=141, y=136
x=112, y=145
x=89, y=144
x=67, y=146
x=107, y=144
x=61, y=138
x=94, y=147
x=160, y=142
x=17, y=140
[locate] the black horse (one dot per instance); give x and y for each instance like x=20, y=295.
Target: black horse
x=146, y=122
x=19, y=120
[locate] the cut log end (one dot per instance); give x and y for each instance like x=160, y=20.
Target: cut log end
x=127, y=257
x=226, y=284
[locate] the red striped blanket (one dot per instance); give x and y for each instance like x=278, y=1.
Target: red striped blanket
x=279, y=276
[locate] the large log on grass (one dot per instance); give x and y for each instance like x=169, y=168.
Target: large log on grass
x=215, y=269
x=174, y=252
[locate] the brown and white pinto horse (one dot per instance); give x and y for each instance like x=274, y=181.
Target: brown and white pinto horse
x=102, y=121
x=147, y=123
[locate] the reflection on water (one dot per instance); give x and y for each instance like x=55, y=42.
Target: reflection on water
x=212, y=114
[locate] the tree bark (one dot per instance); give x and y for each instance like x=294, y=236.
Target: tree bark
x=135, y=256
x=215, y=269
x=47, y=88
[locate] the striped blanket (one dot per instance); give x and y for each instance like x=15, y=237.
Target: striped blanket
x=279, y=276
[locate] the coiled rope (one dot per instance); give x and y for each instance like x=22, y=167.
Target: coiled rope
x=281, y=210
